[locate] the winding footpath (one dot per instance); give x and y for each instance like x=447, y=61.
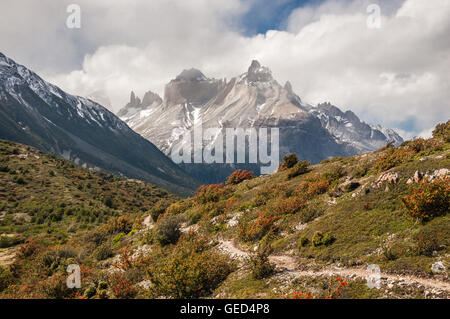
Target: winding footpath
x=289, y=264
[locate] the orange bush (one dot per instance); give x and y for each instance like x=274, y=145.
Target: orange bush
x=289, y=206
x=333, y=291
x=122, y=287
x=428, y=199
x=393, y=158
x=312, y=188
x=239, y=176
x=256, y=230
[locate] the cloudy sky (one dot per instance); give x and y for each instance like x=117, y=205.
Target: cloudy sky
x=397, y=75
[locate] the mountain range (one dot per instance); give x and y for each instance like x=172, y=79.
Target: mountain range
x=138, y=141
x=37, y=113
x=252, y=100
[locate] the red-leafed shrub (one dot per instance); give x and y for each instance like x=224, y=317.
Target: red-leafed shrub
x=289, y=205
x=255, y=230
x=122, y=287
x=239, y=176
x=334, y=290
x=428, y=199
x=312, y=187
x=393, y=157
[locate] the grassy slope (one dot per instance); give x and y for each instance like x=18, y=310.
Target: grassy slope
x=369, y=224
x=43, y=194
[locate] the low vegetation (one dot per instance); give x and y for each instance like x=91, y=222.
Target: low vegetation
x=247, y=238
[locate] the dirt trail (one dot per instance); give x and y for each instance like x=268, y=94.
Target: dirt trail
x=7, y=256
x=289, y=263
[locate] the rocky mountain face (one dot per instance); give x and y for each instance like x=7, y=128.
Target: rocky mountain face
x=252, y=100
x=347, y=127
x=39, y=114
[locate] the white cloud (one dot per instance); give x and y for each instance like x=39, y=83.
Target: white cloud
x=397, y=75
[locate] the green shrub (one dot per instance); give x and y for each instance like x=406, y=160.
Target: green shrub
x=288, y=162
x=303, y=241
x=158, y=209
x=6, y=278
x=20, y=180
x=442, y=131
x=351, y=186
x=102, y=285
x=189, y=271
x=389, y=253
x=333, y=174
x=103, y=252
x=261, y=266
x=108, y=202
x=90, y=292
x=123, y=224
x=211, y=193
x=168, y=230
x=361, y=170
x=299, y=168
x=6, y=241
x=97, y=237
x=427, y=244
x=118, y=239
x=320, y=239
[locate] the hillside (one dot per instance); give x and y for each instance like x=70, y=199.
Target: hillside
x=44, y=196
x=305, y=231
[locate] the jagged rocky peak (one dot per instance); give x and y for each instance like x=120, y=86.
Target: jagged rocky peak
x=151, y=98
x=191, y=75
x=135, y=105
x=258, y=73
x=3, y=57
x=288, y=87
x=330, y=109
x=134, y=101
x=193, y=87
